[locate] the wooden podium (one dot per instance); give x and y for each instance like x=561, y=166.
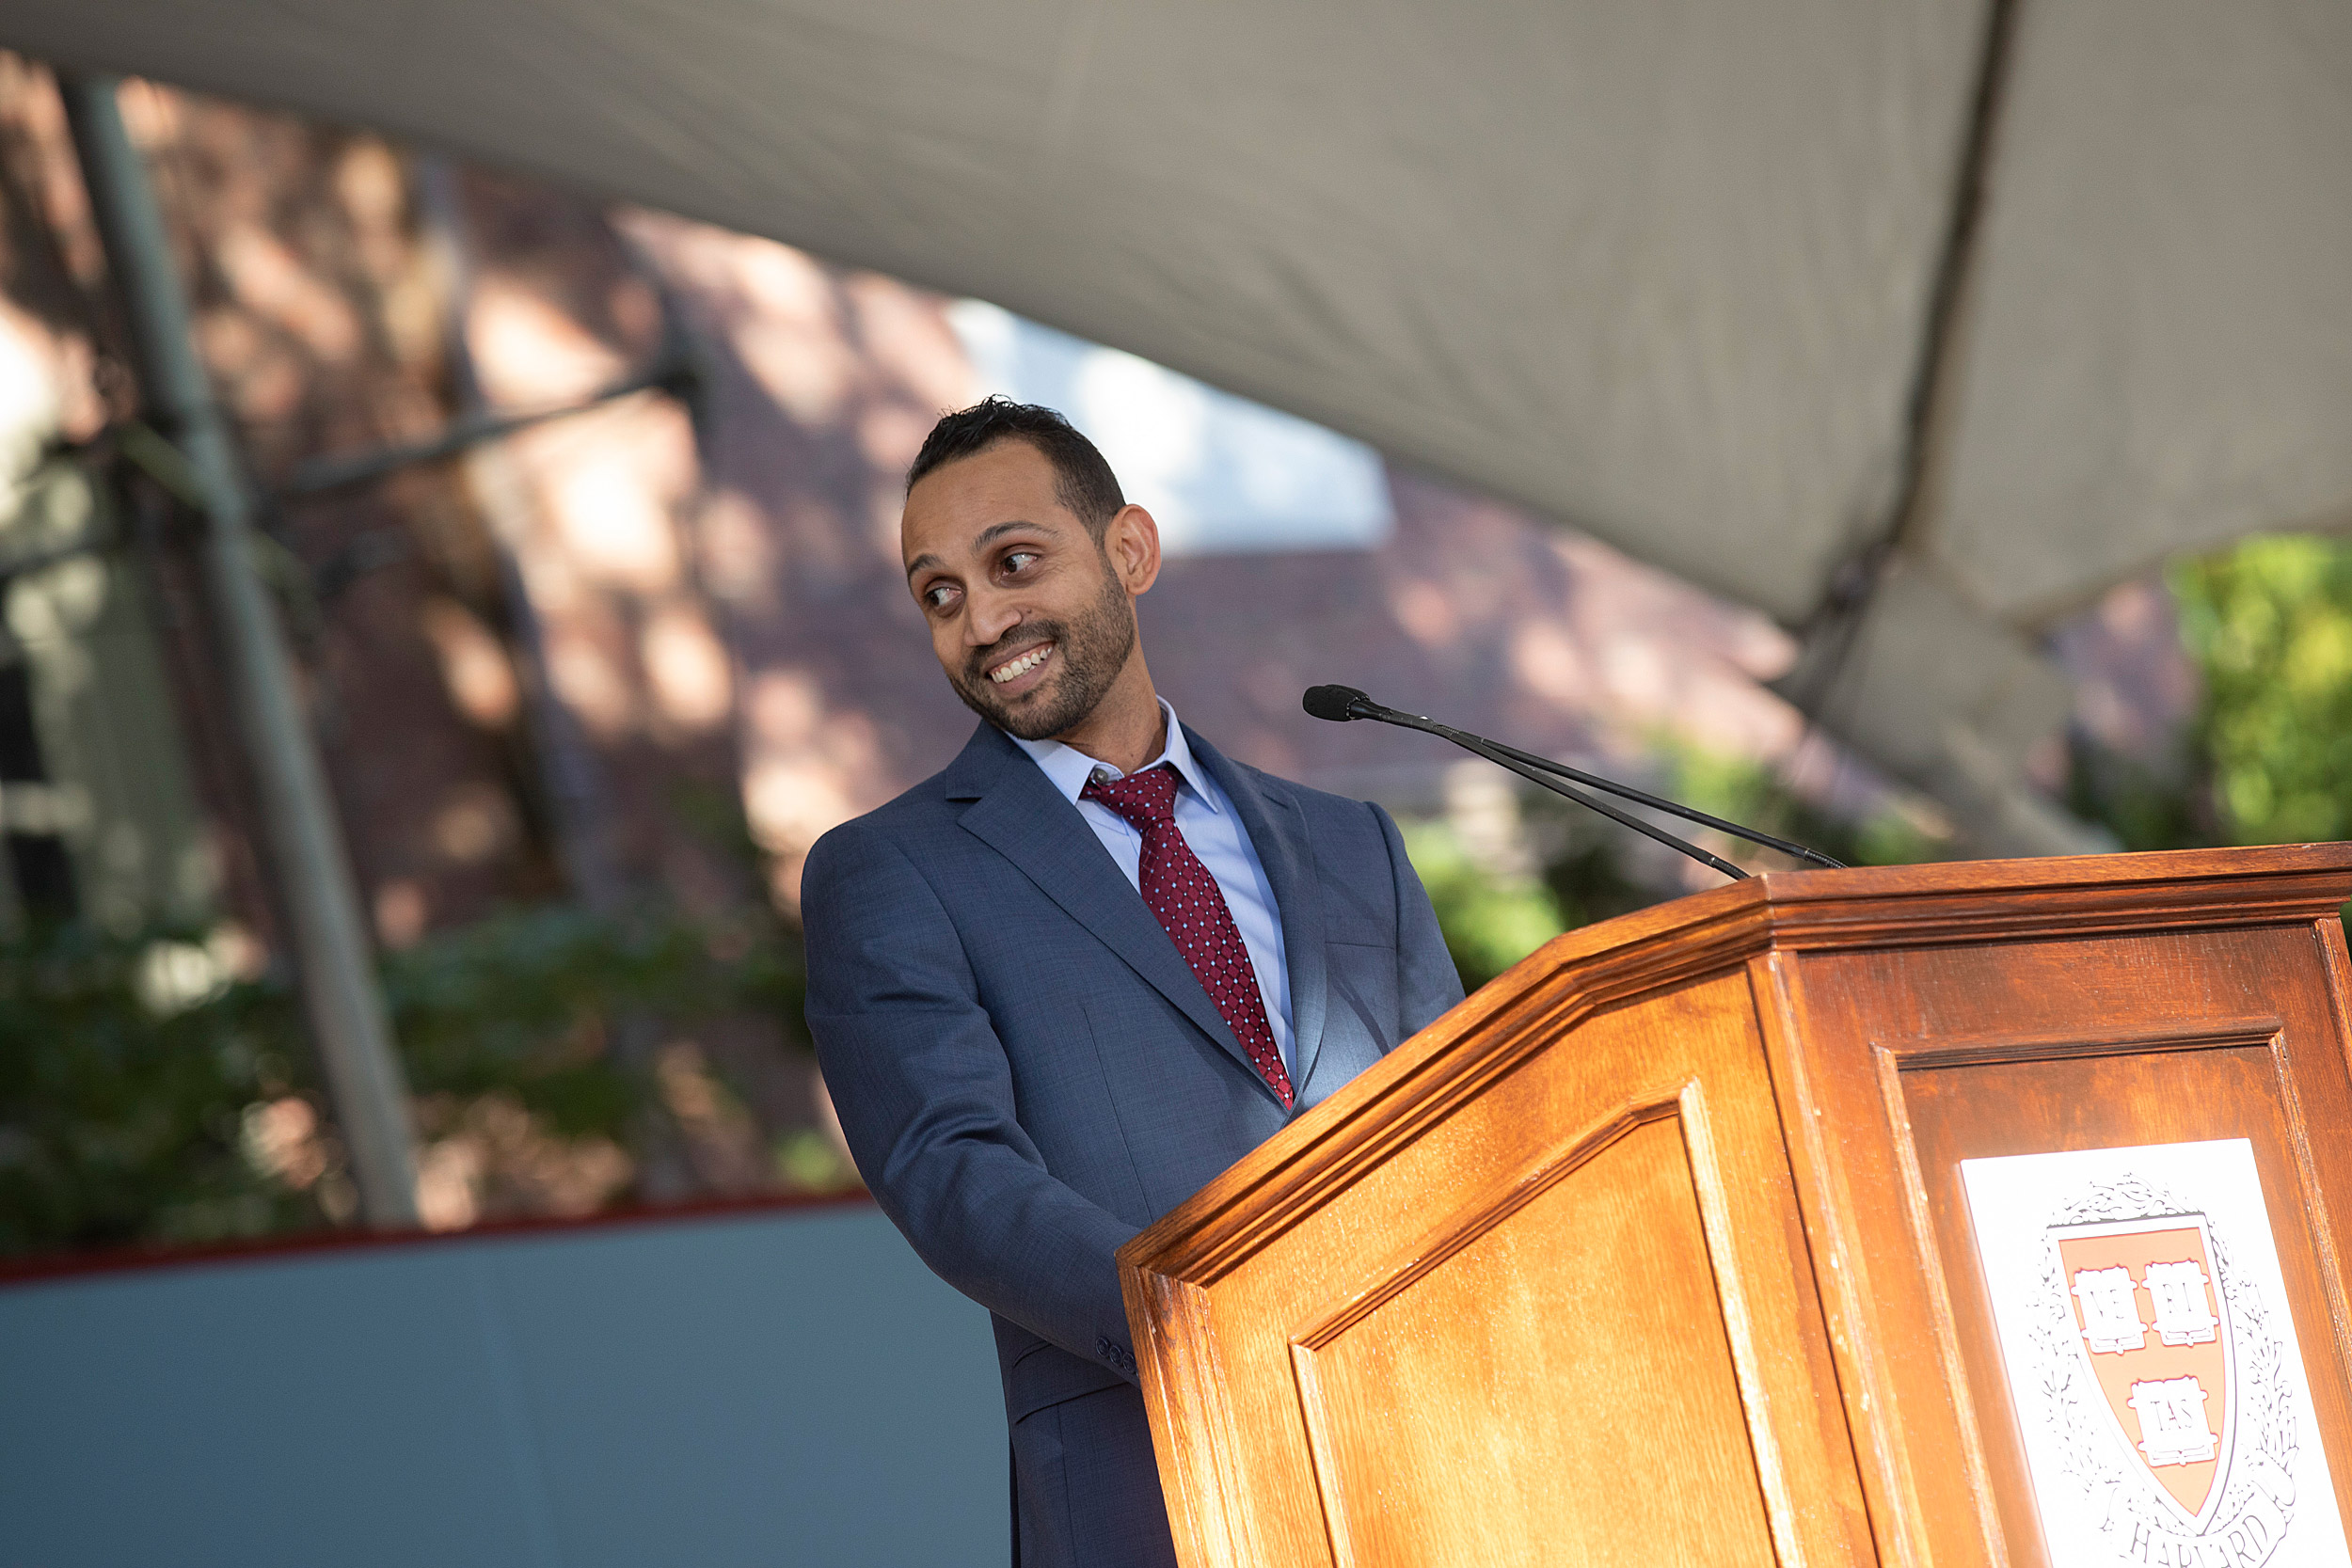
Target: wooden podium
x=1656, y=1249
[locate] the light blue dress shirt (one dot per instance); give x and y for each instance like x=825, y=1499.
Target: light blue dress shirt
x=1210, y=825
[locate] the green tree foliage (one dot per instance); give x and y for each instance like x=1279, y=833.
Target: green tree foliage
x=1742, y=790
x=120, y=1119
x=1491, y=921
x=2269, y=625
x=127, y=1105
x=523, y=1001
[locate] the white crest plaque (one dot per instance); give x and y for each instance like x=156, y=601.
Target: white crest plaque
x=2149, y=1353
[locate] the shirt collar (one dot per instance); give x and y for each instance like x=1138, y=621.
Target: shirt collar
x=1070, y=768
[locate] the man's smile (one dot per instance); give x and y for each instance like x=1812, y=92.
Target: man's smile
x=1023, y=663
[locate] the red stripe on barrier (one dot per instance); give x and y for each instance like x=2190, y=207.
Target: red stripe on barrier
x=26, y=1271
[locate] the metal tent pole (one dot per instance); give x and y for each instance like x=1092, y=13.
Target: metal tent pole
x=330, y=946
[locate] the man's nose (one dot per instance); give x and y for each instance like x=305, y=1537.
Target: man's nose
x=988, y=616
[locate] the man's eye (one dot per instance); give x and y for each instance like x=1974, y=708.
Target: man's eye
x=936, y=596
x=1016, y=560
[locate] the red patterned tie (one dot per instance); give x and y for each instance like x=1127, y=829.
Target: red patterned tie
x=1180, y=891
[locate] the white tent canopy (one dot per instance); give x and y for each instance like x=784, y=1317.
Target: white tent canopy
x=1667, y=272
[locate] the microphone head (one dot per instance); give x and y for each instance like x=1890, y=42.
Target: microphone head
x=1335, y=703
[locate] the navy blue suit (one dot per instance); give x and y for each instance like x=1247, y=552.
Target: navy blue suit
x=1028, y=1075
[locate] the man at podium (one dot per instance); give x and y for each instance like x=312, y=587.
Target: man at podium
x=1063, y=983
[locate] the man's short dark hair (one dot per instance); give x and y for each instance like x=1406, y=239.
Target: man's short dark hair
x=1081, y=480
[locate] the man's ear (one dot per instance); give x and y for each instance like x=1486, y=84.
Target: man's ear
x=1130, y=540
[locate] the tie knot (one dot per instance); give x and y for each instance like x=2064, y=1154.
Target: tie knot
x=1143, y=798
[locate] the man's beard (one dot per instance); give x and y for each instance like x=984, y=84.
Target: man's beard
x=1090, y=651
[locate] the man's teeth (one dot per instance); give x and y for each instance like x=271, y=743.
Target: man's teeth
x=1020, y=666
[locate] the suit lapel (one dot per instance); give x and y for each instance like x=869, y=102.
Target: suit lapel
x=1017, y=812
x=1278, y=833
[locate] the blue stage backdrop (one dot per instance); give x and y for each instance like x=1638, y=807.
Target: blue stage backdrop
x=770, y=1387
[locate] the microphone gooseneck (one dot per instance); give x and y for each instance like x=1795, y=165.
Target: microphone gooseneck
x=1339, y=704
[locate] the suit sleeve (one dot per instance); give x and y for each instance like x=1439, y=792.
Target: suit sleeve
x=926, y=1099
x=1427, y=982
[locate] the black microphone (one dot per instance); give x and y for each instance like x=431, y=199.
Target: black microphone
x=1339, y=704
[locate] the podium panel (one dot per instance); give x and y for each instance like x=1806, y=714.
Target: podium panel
x=1545, y=1298
x=1613, y=1252
x=1660, y=1248
x=2098, y=1043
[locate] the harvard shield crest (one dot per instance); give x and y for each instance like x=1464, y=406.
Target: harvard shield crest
x=2150, y=1358
x=2151, y=1327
